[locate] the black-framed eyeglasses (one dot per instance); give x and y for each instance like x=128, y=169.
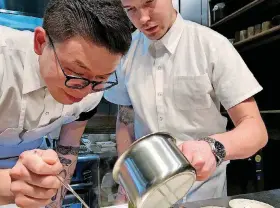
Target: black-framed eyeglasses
x=76, y=82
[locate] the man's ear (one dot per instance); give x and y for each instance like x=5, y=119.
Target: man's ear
x=40, y=40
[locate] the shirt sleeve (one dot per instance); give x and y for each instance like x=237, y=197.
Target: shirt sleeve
x=84, y=116
x=232, y=80
x=118, y=94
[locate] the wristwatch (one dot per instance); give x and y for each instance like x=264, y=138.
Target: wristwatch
x=217, y=148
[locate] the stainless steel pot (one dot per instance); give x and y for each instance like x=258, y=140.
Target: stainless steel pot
x=154, y=172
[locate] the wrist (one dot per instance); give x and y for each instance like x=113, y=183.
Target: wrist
x=217, y=149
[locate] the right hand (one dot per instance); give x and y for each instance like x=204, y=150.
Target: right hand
x=121, y=196
x=34, y=180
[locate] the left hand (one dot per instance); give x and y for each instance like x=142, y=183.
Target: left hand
x=200, y=155
x=34, y=180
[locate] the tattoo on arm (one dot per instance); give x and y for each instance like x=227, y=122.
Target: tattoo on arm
x=126, y=115
x=65, y=161
x=68, y=158
x=67, y=150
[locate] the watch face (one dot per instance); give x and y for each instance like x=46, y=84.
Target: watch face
x=220, y=149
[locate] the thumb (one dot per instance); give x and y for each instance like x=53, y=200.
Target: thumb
x=180, y=147
x=197, y=161
x=49, y=156
x=183, y=148
x=16, y=171
x=41, y=162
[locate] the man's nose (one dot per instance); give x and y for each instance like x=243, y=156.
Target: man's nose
x=85, y=91
x=144, y=16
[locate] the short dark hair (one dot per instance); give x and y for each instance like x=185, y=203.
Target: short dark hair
x=102, y=21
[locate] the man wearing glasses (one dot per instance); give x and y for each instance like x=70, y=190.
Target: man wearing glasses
x=51, y=81
x=174, y=79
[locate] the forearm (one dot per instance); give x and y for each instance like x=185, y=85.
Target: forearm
x=245, y=140
x=5, y=181
x=6, y=197
x=68, y=158
x=125, y=128
x=67, y=149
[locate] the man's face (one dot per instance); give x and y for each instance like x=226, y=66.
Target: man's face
x=78, y=57
x=152, y=17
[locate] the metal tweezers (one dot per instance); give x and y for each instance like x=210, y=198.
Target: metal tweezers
x=69, y=188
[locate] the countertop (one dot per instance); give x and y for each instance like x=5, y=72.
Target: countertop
x=271, y=197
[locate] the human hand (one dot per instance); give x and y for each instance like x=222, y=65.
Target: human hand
x=34, y=178
x=121, y=196
x=200, y=155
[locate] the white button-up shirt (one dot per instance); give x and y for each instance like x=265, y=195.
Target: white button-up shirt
x=27, y=110
x=176, y=85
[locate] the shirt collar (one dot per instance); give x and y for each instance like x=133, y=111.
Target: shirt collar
x=32, y=79
x=171, y=39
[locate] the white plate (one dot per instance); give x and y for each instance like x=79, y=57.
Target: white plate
x=248, y=203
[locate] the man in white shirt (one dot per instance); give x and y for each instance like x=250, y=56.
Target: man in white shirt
x=51, y=81
x=173, y=79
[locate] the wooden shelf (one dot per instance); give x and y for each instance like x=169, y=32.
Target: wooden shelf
x=265, y=37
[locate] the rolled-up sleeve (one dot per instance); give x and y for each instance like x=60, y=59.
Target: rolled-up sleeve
x=118, y=94
x=232, y=80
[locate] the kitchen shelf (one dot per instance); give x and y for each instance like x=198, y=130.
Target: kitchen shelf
x=220, y=1
x=252, y=13
x=238, y=13
x=265, y=37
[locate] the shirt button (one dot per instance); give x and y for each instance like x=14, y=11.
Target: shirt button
x=159, y=94
x=160, y=118
x=159, y=68
x=47, y=113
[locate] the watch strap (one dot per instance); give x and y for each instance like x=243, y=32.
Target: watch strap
x=217, y=148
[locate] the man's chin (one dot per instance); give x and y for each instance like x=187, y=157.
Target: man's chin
x=62, y=99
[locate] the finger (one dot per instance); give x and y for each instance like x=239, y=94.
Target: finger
x=25, y=201
x=49, y=156
x=184, y=149
x=34, y=162
x=20, y=187
x=16, y=172
x=207, y=170
x=181, y=147
x=20, y=172
x=198, y=161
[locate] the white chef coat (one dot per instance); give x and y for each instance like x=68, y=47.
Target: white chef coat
x=28, y=112
x=176, y=85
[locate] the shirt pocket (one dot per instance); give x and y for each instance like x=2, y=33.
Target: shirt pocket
x=192, y=92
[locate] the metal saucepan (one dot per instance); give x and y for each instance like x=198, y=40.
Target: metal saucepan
x=154, y=172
